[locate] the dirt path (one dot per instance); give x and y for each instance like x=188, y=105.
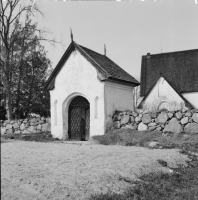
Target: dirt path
x=33, y=170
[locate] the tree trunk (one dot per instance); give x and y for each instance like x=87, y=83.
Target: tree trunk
x=8, y=102
x=8, y=90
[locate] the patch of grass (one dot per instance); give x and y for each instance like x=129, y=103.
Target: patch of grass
x=181, y=184
x=37, y=137
x=127, y=137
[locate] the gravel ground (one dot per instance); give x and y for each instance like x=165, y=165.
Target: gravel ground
x=74, y=170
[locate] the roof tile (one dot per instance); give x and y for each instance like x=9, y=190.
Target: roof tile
x=179, y=68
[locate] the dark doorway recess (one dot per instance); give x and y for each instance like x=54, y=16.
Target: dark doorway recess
x=79, y=119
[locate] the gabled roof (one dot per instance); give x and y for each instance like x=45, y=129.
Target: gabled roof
x=147, y=94
x=180, y=69
x=105, y=66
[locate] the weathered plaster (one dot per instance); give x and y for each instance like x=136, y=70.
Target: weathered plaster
x=117, y=97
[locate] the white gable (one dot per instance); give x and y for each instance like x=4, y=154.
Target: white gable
x=77, y=77
x=162, y=94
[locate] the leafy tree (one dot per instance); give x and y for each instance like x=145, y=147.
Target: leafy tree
x=24, y=65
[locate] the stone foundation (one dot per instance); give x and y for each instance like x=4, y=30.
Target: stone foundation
x=26, y=126
x=176, y=121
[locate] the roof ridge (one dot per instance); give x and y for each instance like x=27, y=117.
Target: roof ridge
x=81, y=48
x=172, y=52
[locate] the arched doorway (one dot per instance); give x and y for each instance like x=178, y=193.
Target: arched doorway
x=79, y=119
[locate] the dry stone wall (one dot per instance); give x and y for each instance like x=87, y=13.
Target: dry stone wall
x=26, y=126
x=181, y=121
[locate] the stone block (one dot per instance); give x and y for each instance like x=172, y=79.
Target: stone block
x=48, y=120
x=34, y=123
x=41, y=122
x=116, y=124
x=25, y=121
x=9, y=131
x=173, y=126
x=152, y=128
x=170, y=114
x=43, y=118
x=17, y=132
x=188, y=114
x=45, y=127
x=31, y=128
x=153, y=144
x=142, y=127
x=117, y=118
x=135, y=114
x=146, y=118
x=25, y=132
x=158, y=128
x=15, y=126
x=32, y=120
x=162, y=118
x=36, y=131
x=152, y=124
x=39, y=127
x=138, y=119
x=125, y=119
x=49, y=128
x=8, y=126
x=124, y=127
x=22, y=127
x=178, y=115
x=131, y=126
x=191, y=128
x=153, y=115
x=132, y=119
x=184, y=120
x=195, y=117
x=27, y=125
x=37, y=119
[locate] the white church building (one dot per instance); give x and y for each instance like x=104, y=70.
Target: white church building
x=86, y=88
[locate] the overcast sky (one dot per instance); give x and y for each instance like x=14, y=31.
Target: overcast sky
x=129, y=29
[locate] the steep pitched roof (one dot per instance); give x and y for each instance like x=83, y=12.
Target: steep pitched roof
x=102, y=63
x=180, y=69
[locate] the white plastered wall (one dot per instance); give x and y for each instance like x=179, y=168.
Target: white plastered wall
x=77, y=77
x=117, y=97
x=192, y=98
x=162, y=92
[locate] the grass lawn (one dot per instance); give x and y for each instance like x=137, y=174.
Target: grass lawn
x=180, y=184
